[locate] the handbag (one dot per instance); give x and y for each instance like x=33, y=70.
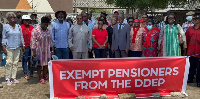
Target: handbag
x=34, y=64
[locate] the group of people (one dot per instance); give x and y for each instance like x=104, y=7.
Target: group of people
x=87, y=38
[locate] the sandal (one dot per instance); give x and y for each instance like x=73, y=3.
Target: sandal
x=42, y=81
x=46, y=78
x=26, y=77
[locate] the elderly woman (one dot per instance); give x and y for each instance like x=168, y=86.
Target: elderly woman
x=26, y=31
x=40, y=45
x=150, y=39
x=100, y=39
x=171, y=37
x=12, y=40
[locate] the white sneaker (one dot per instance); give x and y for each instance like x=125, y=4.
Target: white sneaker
x=15, y=81
x=8, y=82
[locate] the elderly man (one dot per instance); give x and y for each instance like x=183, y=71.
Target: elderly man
x=193, y=39
x=121, y=38
x=79, y=38
x=49, y=16
x=18, y=19
x=90, y=18
x=34, y=21
x=189, y=22
x=59, y=35
x=90, y=25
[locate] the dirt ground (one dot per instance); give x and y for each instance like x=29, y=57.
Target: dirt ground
x=33, y=90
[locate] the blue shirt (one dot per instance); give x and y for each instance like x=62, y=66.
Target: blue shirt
x=93, y=22
x=90, y=25
x=59, y=34
x=121, y=25
x=186, y=25
x=12, y=38
x=160, y=25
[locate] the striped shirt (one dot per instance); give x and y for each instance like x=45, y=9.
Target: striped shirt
x=41, y=41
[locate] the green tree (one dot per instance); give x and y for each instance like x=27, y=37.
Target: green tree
x=149, y=4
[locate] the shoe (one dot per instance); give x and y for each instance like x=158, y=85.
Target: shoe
x=8, y=82
x=1, y=86
x=42, y=81
x=15, y=81
x=26, y=77
x=198, y=84
x=46, y=78
x=189, y=81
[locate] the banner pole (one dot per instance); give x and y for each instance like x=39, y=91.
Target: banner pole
x=51, y=80
x=187, y=67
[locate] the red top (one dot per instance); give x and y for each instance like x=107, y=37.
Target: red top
x=26, y=34
x=100, y=37
x=193, y=41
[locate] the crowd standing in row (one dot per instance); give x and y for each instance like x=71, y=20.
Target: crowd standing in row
x=133, y=37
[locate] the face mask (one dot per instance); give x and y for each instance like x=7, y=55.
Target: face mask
x=189, y=18
x=149, y=27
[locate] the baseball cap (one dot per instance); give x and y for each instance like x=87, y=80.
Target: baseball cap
x=24, y=17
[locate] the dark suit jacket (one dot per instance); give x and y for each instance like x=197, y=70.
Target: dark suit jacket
x=122, y=39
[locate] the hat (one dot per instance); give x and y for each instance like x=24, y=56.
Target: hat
x=26, y=17
x=141, y=21
x=116, y=12
x=56, y=14
x=33, y=14
x=190, y=13
x=104, y=12
x=136, y=20
x=197, y=15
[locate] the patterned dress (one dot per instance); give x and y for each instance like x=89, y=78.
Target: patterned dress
x=152, y=50
x=41, y=41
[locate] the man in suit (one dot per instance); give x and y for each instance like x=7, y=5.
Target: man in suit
x=121, y=38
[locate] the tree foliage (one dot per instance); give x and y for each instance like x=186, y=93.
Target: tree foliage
x=149, y=4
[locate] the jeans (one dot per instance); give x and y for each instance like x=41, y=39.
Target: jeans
x=62, y=53
x=25, y=59
x=194, y=64
x=100, y=53
x=135, y=53
x=111, y=54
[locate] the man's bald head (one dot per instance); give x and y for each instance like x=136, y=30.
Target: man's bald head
x=49, y=16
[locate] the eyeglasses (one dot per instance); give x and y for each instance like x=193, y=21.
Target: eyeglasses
x=130, y=21
x=100, y=23
x=113, y=19
x=12, y=17
x=170, y=18
x=79, y=18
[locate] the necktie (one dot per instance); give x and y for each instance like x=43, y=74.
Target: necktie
x=120, y=27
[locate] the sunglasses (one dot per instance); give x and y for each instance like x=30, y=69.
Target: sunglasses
x=113, y=19
x=26, y=20
x=144, y=17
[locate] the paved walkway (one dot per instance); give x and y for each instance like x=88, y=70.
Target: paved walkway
x=31, y=89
